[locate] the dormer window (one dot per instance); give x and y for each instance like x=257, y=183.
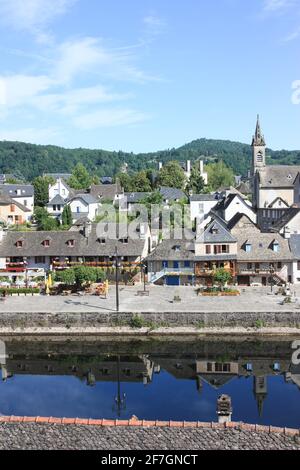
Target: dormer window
x=46, y=243
x=19, y=244
x=102, y=241
x=290, y=177
x=275, y=246
x=177, y=248
x=71, y=243
x=214, y=230
x=124, y=240
x=248, y=247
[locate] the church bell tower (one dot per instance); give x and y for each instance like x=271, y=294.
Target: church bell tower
x=258, y=149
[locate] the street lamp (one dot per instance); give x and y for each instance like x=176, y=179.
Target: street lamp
x=272, y=271
x=144, y=267
x=117, y=266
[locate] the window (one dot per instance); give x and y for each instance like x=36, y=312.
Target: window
x=208, y=249
x=58, y=207
x=298, y=265
x=187, y=264
x=209, y=367
x=71, y=243
x=40, y=260
x=275, y=246
x=12, y=208
x=249, y=266
x=248, y=247
x=78, y=209
x=124, y=240
x=279, y=265
x=102, y=241
x=19, y=243
x=165, y=264
x=46, y=243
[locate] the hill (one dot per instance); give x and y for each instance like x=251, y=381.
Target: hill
x=32, y=160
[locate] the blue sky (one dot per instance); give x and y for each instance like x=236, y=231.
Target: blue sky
x=147, y=75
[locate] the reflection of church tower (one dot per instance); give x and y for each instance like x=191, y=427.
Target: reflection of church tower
x=260, y=391
x=258, y=149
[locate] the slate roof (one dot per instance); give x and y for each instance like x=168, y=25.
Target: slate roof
x=216, y=232
x=7, y=200
x=58, y=244
x=285, y=219
x=57, y=200
x=136, y=196
x=245, y=231
x=294, y=243
x=27, y=190
x=87, y=198
x=278, y=176
x=203, y=197
x=105, y=191
x=171, y=194
x=173, y=250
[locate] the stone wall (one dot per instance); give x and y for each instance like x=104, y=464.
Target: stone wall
x=171, y=319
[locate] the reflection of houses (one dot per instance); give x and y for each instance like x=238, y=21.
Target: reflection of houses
x=215, y=373
x=94, y=369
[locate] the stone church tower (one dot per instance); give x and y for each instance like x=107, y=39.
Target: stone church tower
x=258, y=149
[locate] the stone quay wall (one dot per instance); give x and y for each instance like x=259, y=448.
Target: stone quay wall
x=85, y=320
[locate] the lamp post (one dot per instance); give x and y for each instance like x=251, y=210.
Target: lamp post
x=117, y=279
x=272, y=270
x=144, y=274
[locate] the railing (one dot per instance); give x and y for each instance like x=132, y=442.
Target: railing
x=170, y=271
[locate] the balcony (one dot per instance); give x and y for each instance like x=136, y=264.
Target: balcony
x=15, y=267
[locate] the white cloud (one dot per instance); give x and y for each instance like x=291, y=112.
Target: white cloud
x=277, y=5
x=109, y=118
x=32, y=14
x=30, y=134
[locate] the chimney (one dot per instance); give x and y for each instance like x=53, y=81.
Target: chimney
x=87, y=229
x=160, y=165
x=201, y=167
x=188, y=167
x=224, y=409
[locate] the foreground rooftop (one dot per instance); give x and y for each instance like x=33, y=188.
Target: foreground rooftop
x=71, y=434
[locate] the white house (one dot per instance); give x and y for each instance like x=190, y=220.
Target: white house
x=84, y=205
x=234, y=204
x=59, y=188
x=202, y=204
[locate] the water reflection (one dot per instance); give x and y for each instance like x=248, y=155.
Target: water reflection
x=152, y=379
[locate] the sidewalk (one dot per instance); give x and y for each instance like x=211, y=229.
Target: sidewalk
x=160, y=300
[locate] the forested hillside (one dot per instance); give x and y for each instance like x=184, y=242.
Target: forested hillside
x=33, y=160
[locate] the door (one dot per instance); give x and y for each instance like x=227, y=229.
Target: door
x=173, y=281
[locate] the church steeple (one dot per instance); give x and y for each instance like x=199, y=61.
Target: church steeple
x=258, y=138
x=258, y=149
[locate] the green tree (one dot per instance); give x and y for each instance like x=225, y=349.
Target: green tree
x=80, y=178
x=141, y=183
x=66, y=277
x=44, y=221
x=219, y=175
x=66, y=217
x=85, y=274
x=221, y=277
x=41, y=190
x=196, y=183
x=172, y=175
x=125, y=181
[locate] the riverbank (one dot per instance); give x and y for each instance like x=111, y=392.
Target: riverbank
x=22, y=433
